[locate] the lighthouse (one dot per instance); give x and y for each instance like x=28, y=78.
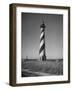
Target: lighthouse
x=42, y=53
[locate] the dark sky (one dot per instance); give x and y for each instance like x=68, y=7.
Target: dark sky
x=30, y=39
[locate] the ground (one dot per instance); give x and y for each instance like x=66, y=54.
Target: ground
x=33, y=67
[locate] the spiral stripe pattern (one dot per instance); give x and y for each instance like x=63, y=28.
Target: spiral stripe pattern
x=42, y=43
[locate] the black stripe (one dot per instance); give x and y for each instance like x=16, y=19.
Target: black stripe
x=42, y=48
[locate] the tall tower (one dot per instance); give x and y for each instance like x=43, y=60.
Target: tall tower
x=42, y=43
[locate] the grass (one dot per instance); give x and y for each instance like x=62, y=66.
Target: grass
x=53, y=67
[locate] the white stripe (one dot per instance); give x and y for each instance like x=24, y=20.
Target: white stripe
x=41, y=35
x=41, y=29
x=41, y=43
x=42, y=53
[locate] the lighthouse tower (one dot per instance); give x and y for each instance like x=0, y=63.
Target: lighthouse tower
x=42, y=43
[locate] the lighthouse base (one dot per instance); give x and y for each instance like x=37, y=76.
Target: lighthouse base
x=43, y=58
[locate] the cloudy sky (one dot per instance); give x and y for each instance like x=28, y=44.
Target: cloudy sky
x=30, y=40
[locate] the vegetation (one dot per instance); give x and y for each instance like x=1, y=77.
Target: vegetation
x=52, y=67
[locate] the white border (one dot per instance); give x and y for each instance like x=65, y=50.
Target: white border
x=19, y=79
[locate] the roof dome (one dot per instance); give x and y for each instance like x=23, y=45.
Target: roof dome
x=42, y=25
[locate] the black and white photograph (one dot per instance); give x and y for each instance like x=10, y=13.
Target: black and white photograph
x=41, y=44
